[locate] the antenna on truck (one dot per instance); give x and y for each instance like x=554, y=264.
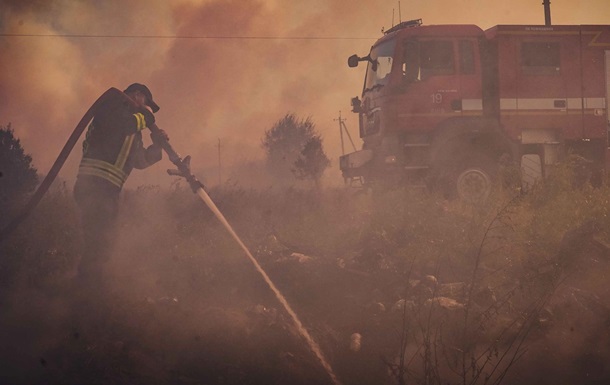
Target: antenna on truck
x=404, y=24
x=399, y=16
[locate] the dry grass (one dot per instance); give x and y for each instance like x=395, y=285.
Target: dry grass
x=186, y=307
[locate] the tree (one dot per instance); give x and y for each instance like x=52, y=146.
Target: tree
x=17, y=175
x=312, y=162
x=284, y=142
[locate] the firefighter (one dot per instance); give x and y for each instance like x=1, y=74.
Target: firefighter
x=112, y=148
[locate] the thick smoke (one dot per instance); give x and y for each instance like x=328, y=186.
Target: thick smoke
x=227, y=87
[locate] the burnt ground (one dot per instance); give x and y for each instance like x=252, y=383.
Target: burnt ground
x=187, y=307
x=231, y=330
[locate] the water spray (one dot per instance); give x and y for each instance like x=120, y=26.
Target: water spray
x=184, y=170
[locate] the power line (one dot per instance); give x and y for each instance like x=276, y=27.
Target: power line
x=187, y=37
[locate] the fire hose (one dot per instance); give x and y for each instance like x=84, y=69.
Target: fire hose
x=183, y=169
x=59, y=162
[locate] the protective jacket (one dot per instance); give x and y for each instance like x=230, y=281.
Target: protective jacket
x=113, y=145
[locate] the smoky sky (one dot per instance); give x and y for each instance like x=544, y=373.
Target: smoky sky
x=220, y=70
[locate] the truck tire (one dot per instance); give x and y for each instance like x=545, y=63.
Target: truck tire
x=473, y=179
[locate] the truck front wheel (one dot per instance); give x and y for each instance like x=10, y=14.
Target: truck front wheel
x=474, y=185
x=472, y=180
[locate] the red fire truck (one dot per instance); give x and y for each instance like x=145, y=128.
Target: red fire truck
x=451, y=104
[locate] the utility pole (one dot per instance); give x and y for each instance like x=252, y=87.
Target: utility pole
x=343, y=127
x=341, y=132
x=219, y=165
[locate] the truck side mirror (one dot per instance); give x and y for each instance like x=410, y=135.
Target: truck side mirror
x=356, y=105
x=352, y=61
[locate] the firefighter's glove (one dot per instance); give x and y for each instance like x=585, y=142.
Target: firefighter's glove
x=158, y=137
x=148, y=116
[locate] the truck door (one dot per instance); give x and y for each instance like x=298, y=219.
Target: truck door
x=429, y=90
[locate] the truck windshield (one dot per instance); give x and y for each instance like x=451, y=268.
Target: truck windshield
x=383, y=54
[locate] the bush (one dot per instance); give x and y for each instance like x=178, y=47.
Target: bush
x=17, y=175
x=284, y=142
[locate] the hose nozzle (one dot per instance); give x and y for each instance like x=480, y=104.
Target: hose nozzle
x=184, y=170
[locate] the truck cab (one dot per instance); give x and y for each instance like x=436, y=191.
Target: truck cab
x=423, y=86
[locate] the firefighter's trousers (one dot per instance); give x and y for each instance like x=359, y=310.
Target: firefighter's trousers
x=98, y=210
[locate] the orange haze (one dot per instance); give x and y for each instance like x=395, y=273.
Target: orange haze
x=229, y=87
